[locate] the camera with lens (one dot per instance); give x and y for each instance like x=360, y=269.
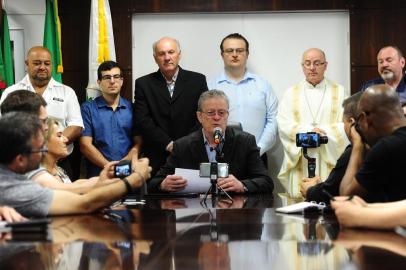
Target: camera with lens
x=122, y=169
x=310, y=140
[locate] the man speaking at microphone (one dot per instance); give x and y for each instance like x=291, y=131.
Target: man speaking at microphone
x=215, y=143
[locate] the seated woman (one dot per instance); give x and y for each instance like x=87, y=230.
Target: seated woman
x=49, y=174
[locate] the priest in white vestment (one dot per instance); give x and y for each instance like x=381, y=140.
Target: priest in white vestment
x=312, y=105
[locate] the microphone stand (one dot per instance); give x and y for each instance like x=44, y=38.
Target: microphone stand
x=215, y=190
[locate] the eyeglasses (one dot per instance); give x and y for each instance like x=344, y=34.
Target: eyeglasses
x=116, y=77
x=220, y=113
x=237, y=51
x=316, y=64
x=42, y=150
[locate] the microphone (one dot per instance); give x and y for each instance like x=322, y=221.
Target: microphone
x=217, y=135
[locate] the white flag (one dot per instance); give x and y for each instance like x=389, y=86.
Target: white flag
x=101, y=43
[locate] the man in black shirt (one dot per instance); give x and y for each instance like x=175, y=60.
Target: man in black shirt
x=383, y=125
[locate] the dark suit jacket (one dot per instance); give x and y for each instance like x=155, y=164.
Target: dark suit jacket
x=160, y=119
x=240, y=152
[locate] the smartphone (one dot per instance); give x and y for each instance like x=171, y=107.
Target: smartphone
x=310, y=140
x=122, y=169
x=32, y=225
x=307, y=140
x=222, y=169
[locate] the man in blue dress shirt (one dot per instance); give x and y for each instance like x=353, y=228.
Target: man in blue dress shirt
x=252, y=101
x=108, y=122
x=390, y=66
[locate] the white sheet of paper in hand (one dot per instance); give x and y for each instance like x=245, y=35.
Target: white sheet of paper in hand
x=195, y=183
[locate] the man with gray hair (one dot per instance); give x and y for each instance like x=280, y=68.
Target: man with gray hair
x=165, y=102
x=247, y=173
x=390, y=67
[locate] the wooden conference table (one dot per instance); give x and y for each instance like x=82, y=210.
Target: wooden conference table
x=180, y=233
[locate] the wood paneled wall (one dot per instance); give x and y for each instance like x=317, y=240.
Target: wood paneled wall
x=373, y=24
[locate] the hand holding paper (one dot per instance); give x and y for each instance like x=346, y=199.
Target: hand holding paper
x=195, y=183
x=173, y=183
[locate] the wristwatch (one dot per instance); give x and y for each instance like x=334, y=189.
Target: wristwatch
x=127, y=184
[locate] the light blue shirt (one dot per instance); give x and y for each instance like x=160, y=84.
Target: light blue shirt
x=211, y=152
x=111, y=130
x=252, y=103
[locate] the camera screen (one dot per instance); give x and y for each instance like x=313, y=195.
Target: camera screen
x=222, y=169
x=307, y=140
x=123, y=170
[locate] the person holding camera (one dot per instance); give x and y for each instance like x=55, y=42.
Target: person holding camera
x=108, y=122
x=247, y=173
x=23, y=144
x=312, y=189
x=312, y=105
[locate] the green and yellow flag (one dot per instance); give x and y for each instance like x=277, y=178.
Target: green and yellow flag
x=101, y=43
x=6, y=55
x=52, y=38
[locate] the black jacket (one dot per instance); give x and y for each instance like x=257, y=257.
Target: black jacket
x=332, y=183
x=240, y=152
x=160, y=118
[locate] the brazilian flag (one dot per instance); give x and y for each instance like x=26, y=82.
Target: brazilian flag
x=6, y=55
x=52, y=38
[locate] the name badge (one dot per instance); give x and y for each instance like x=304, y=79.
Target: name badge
x=57, y=99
